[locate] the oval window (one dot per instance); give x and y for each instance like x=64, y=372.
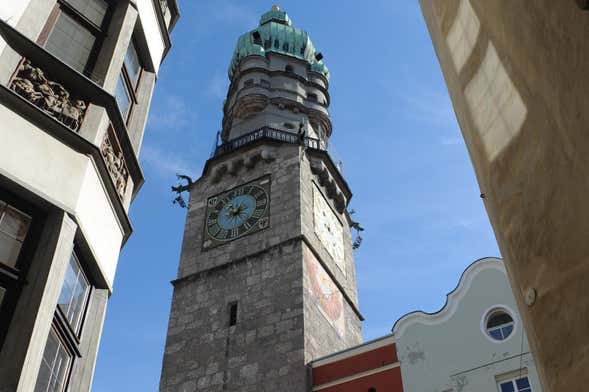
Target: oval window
x=499, y=324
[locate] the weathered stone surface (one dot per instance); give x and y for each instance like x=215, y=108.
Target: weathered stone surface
x=279, y=326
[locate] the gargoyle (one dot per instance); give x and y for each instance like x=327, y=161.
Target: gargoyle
x=181, y=188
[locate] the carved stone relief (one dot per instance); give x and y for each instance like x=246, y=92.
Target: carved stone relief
x=51, y=97
x=115, y=163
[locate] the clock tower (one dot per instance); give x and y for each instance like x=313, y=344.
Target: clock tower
x=266, y=281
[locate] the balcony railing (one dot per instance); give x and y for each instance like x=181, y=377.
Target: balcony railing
x=267, y=133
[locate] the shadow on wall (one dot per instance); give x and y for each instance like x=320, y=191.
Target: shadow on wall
x=496, y=106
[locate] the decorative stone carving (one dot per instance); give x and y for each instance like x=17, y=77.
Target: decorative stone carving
x=115, y=163
x=164, y=6
x=51, y=97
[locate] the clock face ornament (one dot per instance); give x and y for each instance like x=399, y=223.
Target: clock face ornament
x=237, y=212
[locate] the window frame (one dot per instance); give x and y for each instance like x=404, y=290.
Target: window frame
x=99, y=32
x=12, y=279
x=75, y=332
x=66, y=333
x=131, y=86
x=72, y=355
x=512, y=381
x=490, y=312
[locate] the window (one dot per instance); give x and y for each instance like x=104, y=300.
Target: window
x=248, y=83
x=75, y=31
x=521, y=384
x=499, y=324
x=128, y=80
x=265, y=83
x=132, y=64
x=19, y=232
x=288, y=68
x=14, y=226
x=232, y=314
x=61, y=345
x=55, y=365
x=74, y=293
x=312, y=97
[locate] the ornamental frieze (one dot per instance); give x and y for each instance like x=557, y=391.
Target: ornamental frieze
x=31, y=83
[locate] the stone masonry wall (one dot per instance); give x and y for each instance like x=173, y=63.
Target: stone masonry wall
x=263, y=351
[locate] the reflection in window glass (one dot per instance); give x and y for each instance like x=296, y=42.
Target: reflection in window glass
x=122, y=96
x=73, y=293
x=95, y=10
x=54, y=367
x=70, y=42
x=14, y=226
x=132, y=63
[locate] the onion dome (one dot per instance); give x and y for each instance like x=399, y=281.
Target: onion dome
x=276, y=34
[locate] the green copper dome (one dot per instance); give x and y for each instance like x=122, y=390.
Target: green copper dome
x=276, y=34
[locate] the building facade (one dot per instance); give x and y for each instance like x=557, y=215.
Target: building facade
x=369, y=367
x=516, y=73
x=76, y=79
x=266, y=280
x=475, y=343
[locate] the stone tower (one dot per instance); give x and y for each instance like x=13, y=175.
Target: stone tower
x=266, y=281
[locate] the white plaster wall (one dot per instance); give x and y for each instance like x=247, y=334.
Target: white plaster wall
x=153, y=33
x=11, y=11
x=66, y=178
x=450, y=351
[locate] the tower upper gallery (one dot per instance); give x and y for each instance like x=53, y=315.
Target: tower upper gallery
x=278, y=80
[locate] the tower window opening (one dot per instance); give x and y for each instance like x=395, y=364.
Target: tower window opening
x=285, y=47
x=288, y=68
x=257, y=38
x=302, y=50
x=276, y=44
x=289, y=125
x=232, y=314
x=248, y=83
x=312, y=97
x=265, y=83
x=267, y=44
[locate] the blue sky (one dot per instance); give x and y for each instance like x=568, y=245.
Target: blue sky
x=414, y=187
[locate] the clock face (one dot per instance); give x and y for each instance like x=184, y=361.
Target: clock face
x=237, y=212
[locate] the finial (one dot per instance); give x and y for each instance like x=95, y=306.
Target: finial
x=275, y=8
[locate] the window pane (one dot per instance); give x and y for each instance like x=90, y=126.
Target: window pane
x=507, y=331
x=15, y=223
x=496, y=334
x=2, y=292
x=122, y=96
x=95, y=10
x=499, y=319
x=9, y=250
x=70, y=42
x=523, y=384
x=54, y=367
x=13, y=229
x=132, y=62
x=507, y=387
x=73, y=293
